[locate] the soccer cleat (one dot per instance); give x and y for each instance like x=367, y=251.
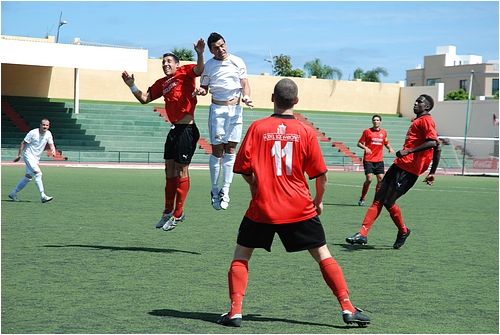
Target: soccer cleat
x=13, y=196
x=164, y=219
x=361, y=202
x=234, y=321
x=357, y=239
x=172, y=222
x=215, y=200
x=224, y=200
x=401, y=239
x=46, y=198
x=357, y=317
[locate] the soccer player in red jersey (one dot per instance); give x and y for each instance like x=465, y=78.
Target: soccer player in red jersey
x=274, y=157
x=421, y=147
x=372, y=141
x=177, y=89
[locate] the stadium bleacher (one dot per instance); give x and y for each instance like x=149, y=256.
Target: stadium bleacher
x=129, y=132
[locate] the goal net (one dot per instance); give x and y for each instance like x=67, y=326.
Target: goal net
x=469, y=155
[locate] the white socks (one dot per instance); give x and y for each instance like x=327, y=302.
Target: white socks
x=39, y=184
x=227, y=162
x=214, y=165
x=22, y=183
x=227, y=171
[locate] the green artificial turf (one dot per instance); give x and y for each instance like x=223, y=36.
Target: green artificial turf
x=91, y=260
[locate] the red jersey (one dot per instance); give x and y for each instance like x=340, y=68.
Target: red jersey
x=278, y=150
x=422, y=128
x=177, y=92
x=375, y=140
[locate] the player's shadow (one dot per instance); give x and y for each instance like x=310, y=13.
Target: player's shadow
x=15, y=202
x=115, y=248
x=339, y=204
x=212, y=317
x=357, y=247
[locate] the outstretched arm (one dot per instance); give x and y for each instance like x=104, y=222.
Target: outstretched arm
x=129, y=80
x=199, y=48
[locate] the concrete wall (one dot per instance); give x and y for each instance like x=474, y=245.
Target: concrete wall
x=314, y=94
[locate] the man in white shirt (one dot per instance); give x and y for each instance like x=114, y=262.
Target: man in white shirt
x=225, y=76
x=31, y=149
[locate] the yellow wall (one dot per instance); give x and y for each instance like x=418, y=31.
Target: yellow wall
x=314, y=94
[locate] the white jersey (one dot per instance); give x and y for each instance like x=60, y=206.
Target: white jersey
x=223, y=77
x=36, y=143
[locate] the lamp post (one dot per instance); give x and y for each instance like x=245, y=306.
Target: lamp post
x=467, y=120
x=60, y=24
x=270, y=60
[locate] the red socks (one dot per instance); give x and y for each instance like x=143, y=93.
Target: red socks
x=396, y=216
x=170, y=190
x=334, y=278
x=371, y=215
x=237, y=278
x=176, y=190
x=366, y=186
x=181, y=194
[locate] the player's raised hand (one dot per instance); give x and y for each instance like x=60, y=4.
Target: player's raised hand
x=128, y=79
x=199, y=46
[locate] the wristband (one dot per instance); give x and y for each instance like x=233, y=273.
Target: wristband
x=134, y=89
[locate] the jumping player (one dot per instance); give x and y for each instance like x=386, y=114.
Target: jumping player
x=31, y=149
x=420, y=148
x=177, y=88
x=274, y=157
x=372, y=141
x=226, y=78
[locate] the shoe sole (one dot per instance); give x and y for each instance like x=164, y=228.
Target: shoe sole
x=362, y=324
x=354, y=242
x=44, y=201
x=13, y=198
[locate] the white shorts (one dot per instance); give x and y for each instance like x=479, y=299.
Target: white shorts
x=225, y=123
x=31, y=164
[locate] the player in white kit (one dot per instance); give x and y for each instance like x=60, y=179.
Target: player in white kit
x=225, y=76
x=30, y=150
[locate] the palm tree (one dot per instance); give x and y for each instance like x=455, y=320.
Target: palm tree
x=315, y=68
x=184, y=54
x=371, y=75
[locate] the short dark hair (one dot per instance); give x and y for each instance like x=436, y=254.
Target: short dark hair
x=171, y=55
x=429, y=100
x=285, y=93
x=214, y=37
x=376, y=115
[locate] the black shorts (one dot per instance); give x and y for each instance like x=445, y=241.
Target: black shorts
x=395, y=183
x=297, y=236
x=374, y=167
x=181, y=143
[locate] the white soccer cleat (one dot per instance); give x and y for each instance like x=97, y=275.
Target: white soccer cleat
x=13, y=197
x=164, y=218
x=46, y=198
x=224, y=200
x=172, y=222
x=215, y=200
